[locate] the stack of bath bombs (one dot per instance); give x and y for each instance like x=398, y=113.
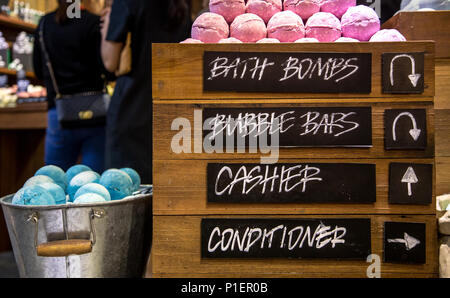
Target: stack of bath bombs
x=80, y=184
x=274, y=21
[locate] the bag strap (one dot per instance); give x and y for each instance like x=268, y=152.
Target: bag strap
x=47, y=59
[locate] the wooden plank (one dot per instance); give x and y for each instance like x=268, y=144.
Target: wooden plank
x=165, y=114
x=442, y=175
x=17, y=23
x=442, y=122
x=415, y=25
x=177, y=69
x=176, y=253
x=442, y=100
x=180, y=188
x=23, y=120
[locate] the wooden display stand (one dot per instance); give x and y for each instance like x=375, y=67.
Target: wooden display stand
x=434, y=25
x=186, y=204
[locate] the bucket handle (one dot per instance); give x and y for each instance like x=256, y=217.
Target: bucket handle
x=64, y=248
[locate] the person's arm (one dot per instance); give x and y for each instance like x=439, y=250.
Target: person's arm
x=110, y=50
x=37, y=56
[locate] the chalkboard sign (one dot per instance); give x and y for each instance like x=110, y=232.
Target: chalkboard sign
x=323, y=238
x=287, y=72
x=405, y=242
x=410, y=184
x=403, y=72
x=405, y=129
x=290, y=127
x=291, y=183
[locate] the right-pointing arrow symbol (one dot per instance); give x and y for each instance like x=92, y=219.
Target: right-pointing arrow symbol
x=409, y=241
x=410, y=177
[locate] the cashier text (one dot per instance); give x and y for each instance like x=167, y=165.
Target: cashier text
x=223, y=132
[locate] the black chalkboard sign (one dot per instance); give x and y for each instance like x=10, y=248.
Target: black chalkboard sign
x=291, y=183
x=403, y=72
x=287, y=72
x=405, y=242
x=323, y=238
x=410, y=184
x=289, y=127
x=405, y=129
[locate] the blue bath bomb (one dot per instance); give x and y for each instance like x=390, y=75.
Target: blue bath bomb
x=80, y=180
x=134, y=177
x=118, y=183
x=56, y=191
x=34, y=195
x=75, y=170
x=54, y=172
x=93, y=188
x=89, y=198
x=37, y=180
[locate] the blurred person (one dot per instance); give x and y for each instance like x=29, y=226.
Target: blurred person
x=129, y=119
x=73, y=47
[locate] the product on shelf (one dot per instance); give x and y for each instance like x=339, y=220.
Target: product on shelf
x=229, y=9
x=23, y=51
x=286, y=26
x=346, y=39
x=324, y=27
x=304, y=8
x=210, y=28
x=230, y=40
x=268, y=40
x=248, y=27
x=307, y=39
x=388, y=35
x=265, y=9
x=4, y=47
x=325, y=20
x=118, y=183
x=191, y=40
x=360, y=22
x=336, y=7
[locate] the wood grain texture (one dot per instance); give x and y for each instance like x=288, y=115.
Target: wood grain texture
x=176, y=253
x=165, y=114
x=442, y=100
x=177, y=69
x=424, y=25
x=180, y=188
x=442, y=175
x=24, y=116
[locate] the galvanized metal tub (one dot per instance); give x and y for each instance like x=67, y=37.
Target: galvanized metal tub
x=111, y=239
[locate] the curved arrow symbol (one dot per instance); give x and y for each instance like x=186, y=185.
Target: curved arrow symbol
x=415, y=132
x=409, y=241
x=413, y=77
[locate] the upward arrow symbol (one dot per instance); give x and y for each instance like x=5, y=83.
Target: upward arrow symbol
x=410, y=177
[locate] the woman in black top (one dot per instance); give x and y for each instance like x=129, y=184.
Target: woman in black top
x=129, y=120
x=73, y=46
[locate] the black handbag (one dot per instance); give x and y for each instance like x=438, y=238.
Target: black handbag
x=77, y=110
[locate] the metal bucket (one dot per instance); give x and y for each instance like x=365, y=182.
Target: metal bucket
x=110, y=239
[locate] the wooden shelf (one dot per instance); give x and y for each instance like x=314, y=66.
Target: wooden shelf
x=11, y=72
x=17, y=24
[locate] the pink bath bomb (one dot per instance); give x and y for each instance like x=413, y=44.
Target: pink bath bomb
x=268, y=40
x=388, y=35
x=265, y=9
x=248, y=27
x=230, y=40
x=337, y=7
x=286, y=26
x=324, y=27
x=191, y=40
x=304, y=8
x=346, y=39
x=306, y=39
x=229, y=9
x=210, y=28
x=360, y=22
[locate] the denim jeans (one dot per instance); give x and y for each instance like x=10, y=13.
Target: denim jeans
x=63, y=147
